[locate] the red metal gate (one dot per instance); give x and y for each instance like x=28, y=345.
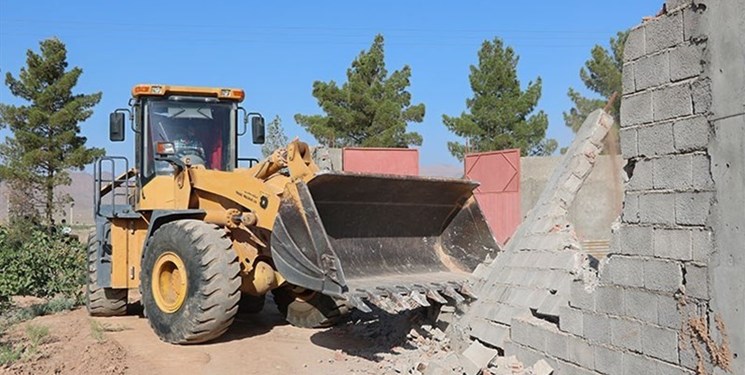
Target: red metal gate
x=499, y=192
x=398, y=161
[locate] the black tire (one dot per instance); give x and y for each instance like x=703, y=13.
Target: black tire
x=212, y=282
x=307, y=309
x=101, y=301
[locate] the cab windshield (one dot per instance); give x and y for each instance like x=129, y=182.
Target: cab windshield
x=198, y=130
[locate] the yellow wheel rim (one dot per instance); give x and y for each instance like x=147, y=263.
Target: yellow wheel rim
x=169, y=282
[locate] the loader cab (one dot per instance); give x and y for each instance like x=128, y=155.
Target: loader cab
x=195, y=125
x=176, y=126
x=201, y=130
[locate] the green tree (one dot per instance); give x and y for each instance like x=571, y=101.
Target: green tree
x=45, y=141
x=371, y=109
x=499, y=114
x=602, y=75
x=275, y=137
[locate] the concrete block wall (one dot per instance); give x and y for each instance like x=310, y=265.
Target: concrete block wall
x=651, y=312
x=533, y=275
x=661, y=303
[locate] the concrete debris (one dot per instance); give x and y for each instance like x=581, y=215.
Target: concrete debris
x=512, y=366
x=479, y=354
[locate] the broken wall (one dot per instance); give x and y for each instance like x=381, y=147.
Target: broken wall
x=598, y=201
x=670, y=297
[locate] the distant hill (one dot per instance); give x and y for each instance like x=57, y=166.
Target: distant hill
x=441, y=170
x=81, y=191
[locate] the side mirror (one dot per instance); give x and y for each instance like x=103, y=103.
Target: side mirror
x=257, y=130
x=116, y=126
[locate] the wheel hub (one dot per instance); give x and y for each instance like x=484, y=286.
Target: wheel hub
x=169, y=282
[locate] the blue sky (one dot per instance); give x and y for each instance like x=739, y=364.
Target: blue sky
x=276, y=49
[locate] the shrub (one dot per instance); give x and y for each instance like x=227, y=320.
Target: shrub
x=35, y=262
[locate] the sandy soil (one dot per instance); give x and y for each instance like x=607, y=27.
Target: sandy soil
x=256, y=344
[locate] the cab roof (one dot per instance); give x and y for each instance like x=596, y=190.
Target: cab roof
x=147, y=89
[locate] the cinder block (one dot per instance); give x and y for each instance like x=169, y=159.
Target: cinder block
x=527, y=355
x=580, y=297
x=626, y=334
x=691, y=134
x=643, y=178
x=672, y=244
x=596, y=328
x=571, y=369
x=689, y=359
x=697, y=281
x=634, y=364
x=673, y=172
x=657, y=208
x=608, y=361
x=544, y=367
x=625, y=271
x=630, y=214
x=528, y=334
x=635, y=240
x=660, y=343
x=570, y=320
x=464, y=365
x=580, y=352
x=664, y=32
x=479, y=354
x=656, y=139
x=667, y=369
x=671, y=5
x=489, y=332
x=641, y=304
x=628, y=143
x=701, y=173
x=636, y=109
x=685, y=61
x=701, y=95
x=556, y=344
x=668, y=312
x=701, y=245
x=692, y=208
x=634, y=47
x=672, y=101
x=691, y=24
x=662, y=275
x=628, y=85
x=609, y=300
x=652, y=71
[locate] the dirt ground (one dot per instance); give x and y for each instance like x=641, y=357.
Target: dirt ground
x=255, y=344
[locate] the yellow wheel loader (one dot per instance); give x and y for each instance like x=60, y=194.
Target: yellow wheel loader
x=196, y=237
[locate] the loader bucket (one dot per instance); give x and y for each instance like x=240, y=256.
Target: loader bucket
x=356, y=236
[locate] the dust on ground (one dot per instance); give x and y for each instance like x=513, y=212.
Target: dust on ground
x=262, y=343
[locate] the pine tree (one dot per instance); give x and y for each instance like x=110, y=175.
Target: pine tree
x=371, y=109
x=275, y=137
x=499, y=113
x=602, y=75
x=45, y=141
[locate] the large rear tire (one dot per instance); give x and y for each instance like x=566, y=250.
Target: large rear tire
x=101, y=301
x=307, y=309
x=190, y=282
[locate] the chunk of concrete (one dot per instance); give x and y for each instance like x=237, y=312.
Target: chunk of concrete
x=479, y=354
x=542, y=368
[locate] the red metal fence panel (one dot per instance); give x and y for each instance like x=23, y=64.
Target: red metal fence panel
x=398, y=161
x=499, y=192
